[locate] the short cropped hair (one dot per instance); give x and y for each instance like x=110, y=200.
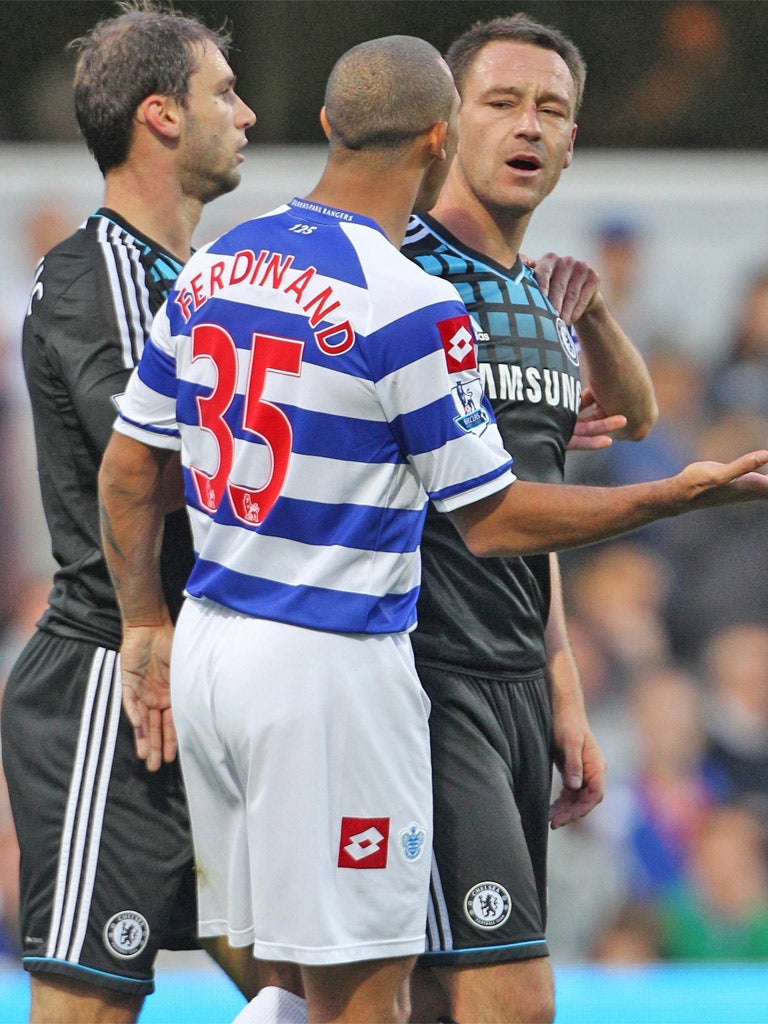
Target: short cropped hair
x=517, y=28
x=147, y=48
x=386, y=91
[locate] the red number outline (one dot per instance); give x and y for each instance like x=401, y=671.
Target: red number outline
x=269, y=354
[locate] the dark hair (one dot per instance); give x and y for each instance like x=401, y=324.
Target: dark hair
x=384, y=92
x=517, y=28
x=146, y=48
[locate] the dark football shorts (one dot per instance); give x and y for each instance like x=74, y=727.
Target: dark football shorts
x=107, y=875
x=492, y=775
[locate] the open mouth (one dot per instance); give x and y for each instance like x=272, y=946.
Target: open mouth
x=524, y=163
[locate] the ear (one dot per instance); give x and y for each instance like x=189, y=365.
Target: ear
x=160, y=114
x=569, y=153
x=324, y=122
x=436, y=140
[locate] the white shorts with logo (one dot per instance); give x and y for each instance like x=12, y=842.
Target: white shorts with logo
x=306, y=760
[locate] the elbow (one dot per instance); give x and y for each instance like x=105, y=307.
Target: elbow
x=487, y=544
x=481, y=547
x=640, y=427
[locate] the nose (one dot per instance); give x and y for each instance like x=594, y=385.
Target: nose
x=246, y=117
x=528, y=121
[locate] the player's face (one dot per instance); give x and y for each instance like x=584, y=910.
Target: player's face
x=516, y=127
x=215, y=120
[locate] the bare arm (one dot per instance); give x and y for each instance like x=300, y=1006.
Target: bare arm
x=615, y=371
x=577, y=755
x=132, y=508
x=526, y=518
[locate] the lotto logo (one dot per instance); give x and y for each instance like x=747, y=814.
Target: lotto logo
x=363, y=842
x=458, y=343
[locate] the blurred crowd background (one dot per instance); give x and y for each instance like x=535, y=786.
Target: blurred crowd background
x=670, y=625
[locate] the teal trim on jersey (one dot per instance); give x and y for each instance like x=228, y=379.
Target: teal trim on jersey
x=456, y=262
x=165, y=267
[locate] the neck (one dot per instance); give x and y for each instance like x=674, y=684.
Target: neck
x=384, y=194
x=155, y=205
x=497, y=233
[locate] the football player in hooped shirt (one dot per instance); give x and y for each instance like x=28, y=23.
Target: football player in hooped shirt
x=315, y=402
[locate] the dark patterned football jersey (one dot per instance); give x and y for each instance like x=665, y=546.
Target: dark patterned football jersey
x=93, y=299
x=487, y=615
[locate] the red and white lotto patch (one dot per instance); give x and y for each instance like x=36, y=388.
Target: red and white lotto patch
x=458, y=343
x=363, y=842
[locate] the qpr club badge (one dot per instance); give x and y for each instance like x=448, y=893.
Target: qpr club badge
x=487, y=905
x=468, y=396
x=126, y=934
x=412, y=841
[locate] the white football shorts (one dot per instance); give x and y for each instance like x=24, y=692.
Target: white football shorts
x=306, y=760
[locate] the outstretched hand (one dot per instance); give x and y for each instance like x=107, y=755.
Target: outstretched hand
x=706, y=484
x=594, y=426
x=145, y=664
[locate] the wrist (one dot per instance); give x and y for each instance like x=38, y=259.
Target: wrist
x=595, y=306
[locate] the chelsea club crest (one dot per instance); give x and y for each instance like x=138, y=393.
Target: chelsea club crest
x=566, y=341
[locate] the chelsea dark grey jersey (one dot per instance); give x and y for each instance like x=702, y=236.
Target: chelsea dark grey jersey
x=93, y=299
x=487, y=616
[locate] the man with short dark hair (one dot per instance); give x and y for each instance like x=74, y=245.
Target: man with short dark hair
x=491, y=646
x=107, y=875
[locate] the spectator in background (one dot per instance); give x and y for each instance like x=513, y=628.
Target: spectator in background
x=672, y=790
x=740, y=381
x=25, y=548
x=718, y=566
x=9, y=879
x=685, y=96
x=632, y=936
x=616, y=594
x=620, y=249
x=719, y=911
x=736, y=666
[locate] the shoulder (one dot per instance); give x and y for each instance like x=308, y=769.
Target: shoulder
x=71, y=267
x=97, y=244
x=392, y=276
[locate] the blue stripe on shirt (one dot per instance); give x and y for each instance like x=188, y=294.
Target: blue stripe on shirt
x=313, y=607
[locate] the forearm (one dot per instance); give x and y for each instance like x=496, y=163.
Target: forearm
x=530, y=518
x=563, y=675
x=616, y=371
x=527, y=518
x=132, y=509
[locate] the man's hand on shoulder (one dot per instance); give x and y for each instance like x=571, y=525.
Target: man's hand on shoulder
x=571, y=285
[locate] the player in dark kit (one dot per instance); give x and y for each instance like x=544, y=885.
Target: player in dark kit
x=491, y=646
x=107, y=874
